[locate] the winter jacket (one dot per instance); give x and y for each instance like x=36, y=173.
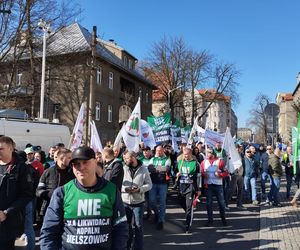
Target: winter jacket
x=114, y=172
x=56, y=233
x=140, y=179
x=264, y=162
x=275, y=166
x=287, y=162
x=159, y=168
x=251, y=167
x=49, y=181
x=16, y=190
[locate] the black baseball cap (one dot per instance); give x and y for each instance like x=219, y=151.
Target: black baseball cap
x=146, y=148
x=83, y=153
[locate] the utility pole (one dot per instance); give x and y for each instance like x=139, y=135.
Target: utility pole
x=91, y=97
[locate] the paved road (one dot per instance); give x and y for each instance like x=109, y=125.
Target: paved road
x=242, y=231
x=257, y=227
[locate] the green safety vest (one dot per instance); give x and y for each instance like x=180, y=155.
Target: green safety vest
x=88, y=216
x=159, y=161
x=187, y=170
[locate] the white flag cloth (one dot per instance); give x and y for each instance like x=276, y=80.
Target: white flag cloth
x=147, y=135
x=132, y=131
x=212, y=137
x=96, y=144
x=234, y=159
x=117, y=142
x=78, y=128
x=193, y=133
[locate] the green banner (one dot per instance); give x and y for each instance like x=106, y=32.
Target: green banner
x=297, y=148
x=161, y=127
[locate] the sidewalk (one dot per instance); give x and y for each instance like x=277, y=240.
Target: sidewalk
x=280, y=226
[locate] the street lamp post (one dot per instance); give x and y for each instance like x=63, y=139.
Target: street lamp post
x=169, y=99
x=43, y=25
x=169, y=94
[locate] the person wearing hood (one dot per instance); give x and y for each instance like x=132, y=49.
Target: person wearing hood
x=136, y=182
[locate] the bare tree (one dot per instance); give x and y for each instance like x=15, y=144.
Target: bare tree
x=225, y=77
x=21, y=37
x=198, y=67
x=258, y=119
x=167, y=66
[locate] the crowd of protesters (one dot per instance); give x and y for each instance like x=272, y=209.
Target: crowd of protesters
x=83, y=199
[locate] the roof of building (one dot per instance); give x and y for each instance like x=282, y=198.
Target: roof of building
x=212, y=93
x=113, y=44
x=75, y=39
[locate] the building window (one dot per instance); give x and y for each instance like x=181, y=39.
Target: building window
x=147, y=97
x=130, y=64
x=126, y=61
x=109, y=113
x=19, y=79
x=98, y=111
x=99, y=76
x=111, y=80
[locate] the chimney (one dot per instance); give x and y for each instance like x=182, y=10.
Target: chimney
x=298, y=78
x=112, y=41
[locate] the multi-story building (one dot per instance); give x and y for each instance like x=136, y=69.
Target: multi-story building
x=219, y=115
x=287, y=117
x=245, y=134
x=74, y=76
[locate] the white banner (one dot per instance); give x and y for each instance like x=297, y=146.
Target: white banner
x=132, y=131
x=96, y=144
x=78, y=128
x=212, y=137
x=234, y=159
x=147, y=135
x=117, y=142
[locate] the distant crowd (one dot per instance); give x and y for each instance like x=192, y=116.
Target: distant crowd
x=83, y=199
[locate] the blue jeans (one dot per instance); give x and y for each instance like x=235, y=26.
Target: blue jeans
x=273, y=195
x=264, y=178
x=249, y=183
x=28, y=226
x=158, y=191
x=289, y=181
x=215, y=190
x=134, y=214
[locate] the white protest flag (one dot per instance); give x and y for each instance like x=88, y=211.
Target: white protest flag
x=117, y=142
x=174, y=141
x=96, y=144
x=132, y=131
x=212, y=137
x=234, y=159
x=201, y=134
x=77, y=133
x=193, y=133
x=147, y=135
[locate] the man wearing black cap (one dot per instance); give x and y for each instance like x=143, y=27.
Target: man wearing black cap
x=87, y=212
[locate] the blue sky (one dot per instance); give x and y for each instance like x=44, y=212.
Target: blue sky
x=261, y=37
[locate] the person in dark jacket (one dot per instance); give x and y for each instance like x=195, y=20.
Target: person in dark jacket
x=16, y=190
x=113, y=168
x=287, y=162
x=276, y=173
x=87, y=212
x=251, y=173
x=54, y=177
x=264, y=168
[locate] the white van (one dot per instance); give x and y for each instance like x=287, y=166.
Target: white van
x=35, y=133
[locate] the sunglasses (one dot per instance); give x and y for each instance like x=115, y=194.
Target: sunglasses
x=248, y=152
x=269, y=149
